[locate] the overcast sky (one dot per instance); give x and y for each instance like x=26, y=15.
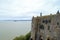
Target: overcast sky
x=25, y=9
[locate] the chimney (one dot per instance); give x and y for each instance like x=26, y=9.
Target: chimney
x=58, y=12
x=40, y=14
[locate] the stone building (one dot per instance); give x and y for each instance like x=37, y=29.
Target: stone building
x=46, y=27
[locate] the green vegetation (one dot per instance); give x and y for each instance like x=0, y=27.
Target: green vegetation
x=22, y=37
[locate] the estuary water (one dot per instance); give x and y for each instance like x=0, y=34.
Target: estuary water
x=11, y=29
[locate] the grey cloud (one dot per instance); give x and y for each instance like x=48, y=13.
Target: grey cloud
x=21, y=9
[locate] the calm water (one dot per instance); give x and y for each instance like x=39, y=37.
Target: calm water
x=10, y=29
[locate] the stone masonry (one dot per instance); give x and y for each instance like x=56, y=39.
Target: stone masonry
x=46, y=27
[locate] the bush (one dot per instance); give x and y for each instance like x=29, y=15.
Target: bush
x=26, y=37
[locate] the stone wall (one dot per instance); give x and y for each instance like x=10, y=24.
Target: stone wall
x=46, y=27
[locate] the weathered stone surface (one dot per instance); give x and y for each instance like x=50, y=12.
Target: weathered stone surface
x=50, y=29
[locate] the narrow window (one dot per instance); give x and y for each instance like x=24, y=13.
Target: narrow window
x=57, y=23
x=48, y=27
x=41, y=27
x=49, y=21
x=46, y=21
x=43, y=21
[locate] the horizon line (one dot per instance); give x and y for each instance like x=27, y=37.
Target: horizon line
x=15, y=20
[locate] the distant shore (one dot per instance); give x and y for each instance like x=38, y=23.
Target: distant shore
x=15, y=20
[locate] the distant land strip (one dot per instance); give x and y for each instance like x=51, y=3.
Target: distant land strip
x=15, y=20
